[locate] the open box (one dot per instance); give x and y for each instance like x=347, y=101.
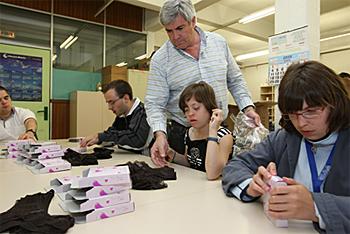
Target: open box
x=49, y=165
x=75, y=206
x=99, y=176
x=103, y=213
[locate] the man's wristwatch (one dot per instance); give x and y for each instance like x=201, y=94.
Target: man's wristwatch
x=247, y=107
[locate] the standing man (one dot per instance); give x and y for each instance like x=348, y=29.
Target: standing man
x=130, y=129
x=15, y=123
x=189, y=56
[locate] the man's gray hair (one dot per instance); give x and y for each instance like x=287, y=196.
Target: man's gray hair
x=172, y=8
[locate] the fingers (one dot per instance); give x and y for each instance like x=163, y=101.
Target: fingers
x=271, y=168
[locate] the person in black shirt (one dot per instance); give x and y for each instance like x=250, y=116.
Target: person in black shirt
x=130, y=129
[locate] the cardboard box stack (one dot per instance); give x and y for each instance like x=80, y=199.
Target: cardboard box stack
x=99, y=193
x=44, y=157
x=111, y=73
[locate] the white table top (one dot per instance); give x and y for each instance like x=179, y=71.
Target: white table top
x=191, y=204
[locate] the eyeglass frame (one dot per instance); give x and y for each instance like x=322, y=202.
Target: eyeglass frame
x=315, y=112
x=112, y=102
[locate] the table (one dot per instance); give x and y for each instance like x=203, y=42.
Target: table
x=191, y=204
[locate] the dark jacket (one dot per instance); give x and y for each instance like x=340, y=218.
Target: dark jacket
x=283, y=148
x=129, y=132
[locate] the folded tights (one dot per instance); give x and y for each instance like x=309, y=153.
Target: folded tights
x=77, y=159
x=30, y=215
x=144, y=177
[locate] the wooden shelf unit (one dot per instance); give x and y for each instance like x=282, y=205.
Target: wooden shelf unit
x=267, y=93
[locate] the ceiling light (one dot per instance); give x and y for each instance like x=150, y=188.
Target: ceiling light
x=257, y=15
x=252, y=55
x=121, y=64
x=141, y=57
x=66, y=41
x=54, y=57
x=334, y=37
x=71, y=42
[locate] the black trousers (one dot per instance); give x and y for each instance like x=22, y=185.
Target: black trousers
x=176, y=136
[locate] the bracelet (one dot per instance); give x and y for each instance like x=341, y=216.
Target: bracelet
x=215, y=139
x=174, y=156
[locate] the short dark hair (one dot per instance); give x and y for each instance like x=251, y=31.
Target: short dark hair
x=4, y=89
x=121, y=87
x=202, y=92
x=317, y=85
x=344, y=75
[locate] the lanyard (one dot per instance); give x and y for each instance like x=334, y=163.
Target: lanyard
x=318, y=180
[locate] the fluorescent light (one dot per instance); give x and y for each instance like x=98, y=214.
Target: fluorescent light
x=71, y=42
x=141, y=57
x=334, y=37
x=121, y=64
x=257, y=15
x=66, y=41
x=54, y=57
x=252, y=55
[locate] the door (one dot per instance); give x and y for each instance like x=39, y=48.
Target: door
x=25, y=72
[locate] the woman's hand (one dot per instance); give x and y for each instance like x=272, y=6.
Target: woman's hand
x=258, y=185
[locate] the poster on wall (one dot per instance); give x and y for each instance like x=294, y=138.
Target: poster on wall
x=22, y=76
x=285, y=49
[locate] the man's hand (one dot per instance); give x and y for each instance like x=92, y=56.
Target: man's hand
x=250, y=112
x=89, y=140
x=159, y=149
x=292, y=202
x=27, y=136
x=258, y=185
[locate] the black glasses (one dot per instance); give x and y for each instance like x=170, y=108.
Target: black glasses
x=111, y=102
x=311, y=113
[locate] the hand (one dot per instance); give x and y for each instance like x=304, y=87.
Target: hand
x=159, y=149
x=215, y=121
x=27, y=136
x=89, y=140
x=250, y=112
x=292, y=202
x=258, y=185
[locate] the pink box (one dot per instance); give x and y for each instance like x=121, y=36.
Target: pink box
x=275, y=181
x=61, y=185
x=47, y=155
x=100, y=176
x=45, y=149
x=50, y=165
x=104, y=213
x=18, y=143
x=75, y=206
x=93, y=192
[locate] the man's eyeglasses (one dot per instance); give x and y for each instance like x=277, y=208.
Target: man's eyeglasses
x=311, y=113
x=111, y=102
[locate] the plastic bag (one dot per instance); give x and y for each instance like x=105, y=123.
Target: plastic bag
x=246, y=133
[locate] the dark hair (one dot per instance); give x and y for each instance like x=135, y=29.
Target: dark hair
x=121, y=87
x=4, y=89
x=344, y=75
x=318, y=86
x=202, y=92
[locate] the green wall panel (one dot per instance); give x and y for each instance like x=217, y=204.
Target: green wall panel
x=66, y=81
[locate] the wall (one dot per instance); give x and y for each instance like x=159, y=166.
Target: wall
x=65, y=81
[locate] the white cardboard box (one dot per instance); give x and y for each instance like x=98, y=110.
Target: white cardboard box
x=76, y=206
x=98, y=191
x=100, y=176
x=104, y=212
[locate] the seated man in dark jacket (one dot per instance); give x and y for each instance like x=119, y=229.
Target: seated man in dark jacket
x=130, y=129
